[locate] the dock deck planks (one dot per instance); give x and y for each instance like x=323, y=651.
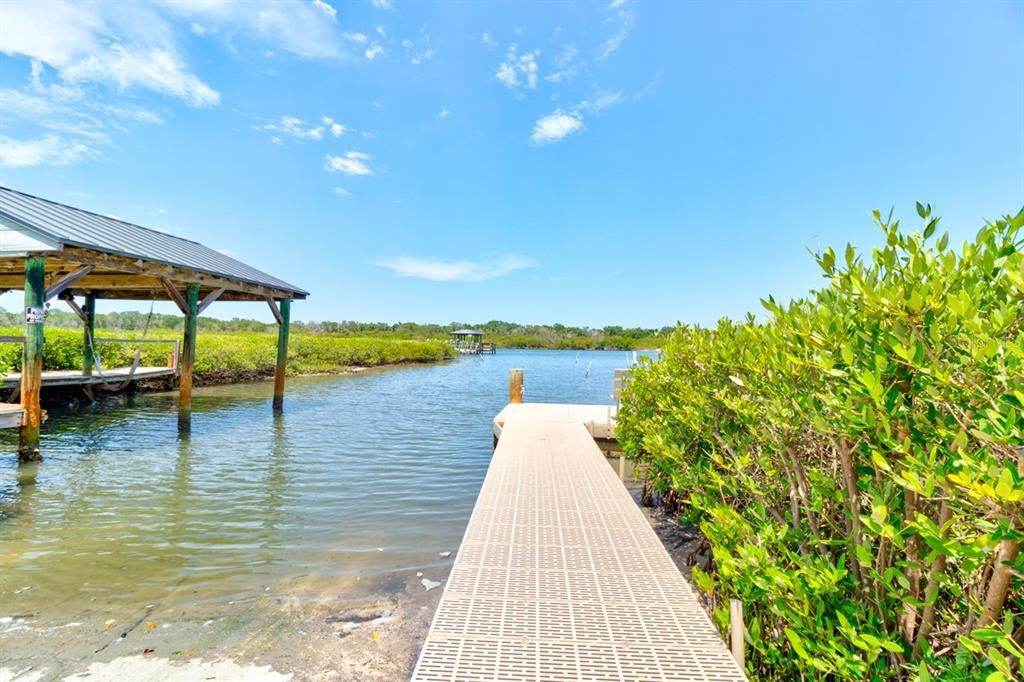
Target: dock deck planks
x=72, y=377
x=560, y=576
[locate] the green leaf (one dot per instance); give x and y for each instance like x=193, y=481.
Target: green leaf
x=798, y=647
x=922, y=211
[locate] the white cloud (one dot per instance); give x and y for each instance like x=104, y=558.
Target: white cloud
x=616, y=3
x=556, y=126
x=152, y=68
x=352, y=163
x=418, y=55
x=623, y=22
x=49, y=150
x=358, y=38
x=444, y=113
x=131, y=112
x=488, y=42
x=382, y=4
x=276, y=140
x=197, y=28
x=438, y=270
x=602, y=101
x=341, y=191
x=326, y=9
x=518, y=70
x=373, y=51
x=566, y=64
x=337, y=129
x=292, y=127
x=85, y=45
x=381, y=31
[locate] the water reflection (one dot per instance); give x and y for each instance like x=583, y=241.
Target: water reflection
x=368, y=476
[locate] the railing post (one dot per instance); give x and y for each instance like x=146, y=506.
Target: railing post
x=515, y=385
x=32, y=359
x=282, y=354
x=188, y=358
x=736, y=629
x=89, y=335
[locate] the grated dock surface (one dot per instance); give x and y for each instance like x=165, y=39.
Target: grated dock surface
x=560, y=577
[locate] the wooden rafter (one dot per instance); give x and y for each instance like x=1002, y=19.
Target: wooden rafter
x=210, y=298
x=274, y=309
x=76, y=308
x=175, y=295
x=66, y=281
x=158, y=270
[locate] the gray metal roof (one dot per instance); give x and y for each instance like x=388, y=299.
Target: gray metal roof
x=467, y=332
x=76, y=227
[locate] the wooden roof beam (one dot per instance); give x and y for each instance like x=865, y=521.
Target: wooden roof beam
x=210, y=298
x=175, y=295
x=66, y=281
x=274, y=309
x=160, y=270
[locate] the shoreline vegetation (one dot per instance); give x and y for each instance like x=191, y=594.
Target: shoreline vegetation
x=242, y=350
x=232, y=357
x=855, y=461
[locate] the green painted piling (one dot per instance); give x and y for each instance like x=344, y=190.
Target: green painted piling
x=188, y=358
x=282, y=354
x=32, y=359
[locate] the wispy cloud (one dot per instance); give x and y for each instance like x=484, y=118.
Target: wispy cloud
x=326, y=8
x=373, y=51
x=556, y=126
x=382, y=4
x=518, y=71
x=48, y=150
x=487, y=41
x=352, y=163
x=560, y=124
x=337, y=129
x=419, y=51
x=623, y=22
x=438, y=270
x=342, y=192
x=291, y=126
x=567, y=63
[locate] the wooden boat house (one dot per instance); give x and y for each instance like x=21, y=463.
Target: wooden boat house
x=53, y=251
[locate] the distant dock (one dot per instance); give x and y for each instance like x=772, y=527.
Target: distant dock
x=560, y=576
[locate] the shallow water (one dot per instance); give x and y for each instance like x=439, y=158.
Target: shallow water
x=363, y=477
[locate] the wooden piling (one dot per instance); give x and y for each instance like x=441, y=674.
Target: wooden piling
x=282, y=354
x=89, y=335
x=32, y=359
x=736, y=628
x=515, y=385
x=188, y=358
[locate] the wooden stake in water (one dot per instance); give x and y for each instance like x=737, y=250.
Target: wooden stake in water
x=515, y=385
x=32, y=359
x=282, y=354
x=188, y=358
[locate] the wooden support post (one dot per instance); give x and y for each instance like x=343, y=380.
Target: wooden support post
x=188, y=358
x=282, y=354
x=736, y=630
x=89, y=335
x=515, y=385
x=32, y=359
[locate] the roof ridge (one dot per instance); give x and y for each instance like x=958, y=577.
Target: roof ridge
x=101, y=215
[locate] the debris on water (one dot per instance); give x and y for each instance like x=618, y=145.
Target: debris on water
x=419, y=574
x=380, y=549
x=208, y=623
x=24, y=589
x=147, y=651
x=150, y=625
x=376, y=635
x=446, y=554
x=384, y=617
x=108, y=623
x=428, y=585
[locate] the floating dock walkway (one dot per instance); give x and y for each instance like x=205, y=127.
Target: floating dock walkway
x=560, y=576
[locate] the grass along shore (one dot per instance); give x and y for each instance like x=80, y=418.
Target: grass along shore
x=227, y=357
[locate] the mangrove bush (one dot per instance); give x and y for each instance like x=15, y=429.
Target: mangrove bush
x=856, y=461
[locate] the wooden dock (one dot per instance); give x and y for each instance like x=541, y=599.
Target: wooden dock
x=73, y=377
x=560, y=576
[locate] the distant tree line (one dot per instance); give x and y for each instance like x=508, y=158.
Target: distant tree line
x=504, y=334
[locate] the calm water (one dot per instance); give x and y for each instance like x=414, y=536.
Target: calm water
x=363, y=476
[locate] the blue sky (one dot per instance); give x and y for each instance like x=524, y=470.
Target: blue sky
x=621, y=162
